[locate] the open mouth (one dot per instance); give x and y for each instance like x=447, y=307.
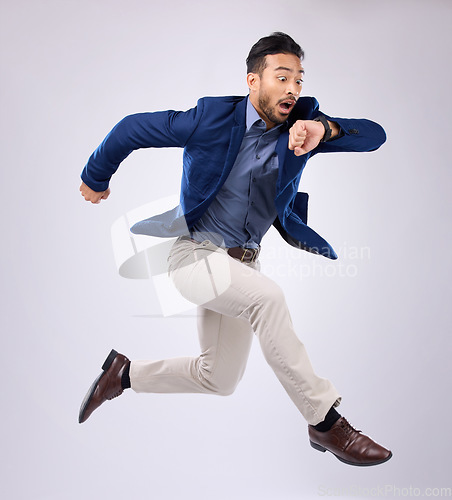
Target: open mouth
x=285, y=107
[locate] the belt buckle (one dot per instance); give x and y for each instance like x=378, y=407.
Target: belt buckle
x=254, y=254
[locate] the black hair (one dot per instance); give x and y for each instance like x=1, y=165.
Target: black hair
x=276, y=43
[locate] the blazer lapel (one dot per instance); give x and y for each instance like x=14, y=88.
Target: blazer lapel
x=281, y=150
x=290, y=168
x=237, y=133
x=289, y=164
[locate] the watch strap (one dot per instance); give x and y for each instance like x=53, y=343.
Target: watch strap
x=328, y=131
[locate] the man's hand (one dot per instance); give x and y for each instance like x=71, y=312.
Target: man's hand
x=93, y=196
x=304, y=136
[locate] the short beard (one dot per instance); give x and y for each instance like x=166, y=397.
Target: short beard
x=268, y=111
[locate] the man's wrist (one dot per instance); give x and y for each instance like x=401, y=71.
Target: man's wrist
x=335, y=129
x=328, y=130
x=331, y=128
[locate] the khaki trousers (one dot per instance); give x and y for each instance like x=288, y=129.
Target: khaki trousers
x=234, y=302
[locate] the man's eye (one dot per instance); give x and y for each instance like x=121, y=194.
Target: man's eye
x=282, y=78
x=299, y=82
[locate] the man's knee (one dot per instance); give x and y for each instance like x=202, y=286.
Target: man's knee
x=224, y=386
x=221, y=385
x=226, y=390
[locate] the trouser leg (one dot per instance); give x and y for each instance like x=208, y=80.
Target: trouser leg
x=225, y=344
x=207, y=275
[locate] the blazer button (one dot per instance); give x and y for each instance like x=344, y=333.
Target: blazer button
x=354, y=131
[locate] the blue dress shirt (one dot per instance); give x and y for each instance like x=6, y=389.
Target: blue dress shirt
x=244, y=208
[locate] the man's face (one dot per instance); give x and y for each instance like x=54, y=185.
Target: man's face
x=275, y=92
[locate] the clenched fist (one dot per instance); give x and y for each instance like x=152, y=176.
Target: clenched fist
x=93, y=196
x=304, y=136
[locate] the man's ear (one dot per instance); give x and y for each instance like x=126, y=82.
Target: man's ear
x=253, y=81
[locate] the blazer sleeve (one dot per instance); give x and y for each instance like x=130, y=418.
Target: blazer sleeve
x=161, y=129
x=356, y=134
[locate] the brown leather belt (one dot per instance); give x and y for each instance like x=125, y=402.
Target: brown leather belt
x=246, y=255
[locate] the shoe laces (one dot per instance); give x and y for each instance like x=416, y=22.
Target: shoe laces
x=347, y=427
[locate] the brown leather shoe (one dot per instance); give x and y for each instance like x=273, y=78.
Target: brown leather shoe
x=348, y=445
x=106, y=386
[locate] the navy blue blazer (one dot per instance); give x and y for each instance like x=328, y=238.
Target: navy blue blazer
x=211, y=134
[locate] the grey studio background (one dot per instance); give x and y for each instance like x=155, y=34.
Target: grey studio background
x=377, y=321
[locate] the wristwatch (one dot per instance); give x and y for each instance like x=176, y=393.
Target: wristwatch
x=324, y=122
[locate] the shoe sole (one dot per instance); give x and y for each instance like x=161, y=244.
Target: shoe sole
x=318, y=447
x=106, y=365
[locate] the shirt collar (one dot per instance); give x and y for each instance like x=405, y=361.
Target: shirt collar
x=252, y=116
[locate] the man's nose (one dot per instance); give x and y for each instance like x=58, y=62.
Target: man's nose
x=293, y=89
